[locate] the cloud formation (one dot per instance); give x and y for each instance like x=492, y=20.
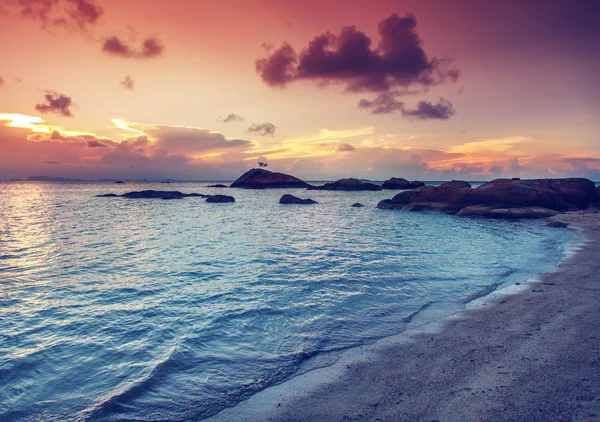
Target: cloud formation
x=150, y=48
x=1, y=81
x=263, y=129
x=345, y=147
x=56, y=104
x=127, y=83
x=386, y=103
x=233, y=117
x=348, y=58
x=95, y=144
x=64, y=14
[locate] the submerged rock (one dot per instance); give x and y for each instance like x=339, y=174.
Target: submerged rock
x=401, y=183
x=152, y=194
x=506, y=213
x=159, y=194
x=557, y=224
x=265, y=179
x=357, y=205
x=220, y=198
x=501, y=198
x=347, y=184
x=291, y=199
x=217, y=186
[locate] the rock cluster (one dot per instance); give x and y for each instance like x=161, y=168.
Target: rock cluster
x=347, y=184
x=265, y=179
x=401, y=183
x=500, y=198
x=291, y=199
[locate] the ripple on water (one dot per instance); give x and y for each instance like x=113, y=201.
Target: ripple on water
x=161, y=310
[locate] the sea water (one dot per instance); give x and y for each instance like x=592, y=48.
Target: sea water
x=146, y=309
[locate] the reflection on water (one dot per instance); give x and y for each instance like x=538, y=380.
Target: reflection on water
x=154, y=310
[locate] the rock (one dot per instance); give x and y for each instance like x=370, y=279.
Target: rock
x=501, y=198
x=291, y=199
x=217, y=186
x=357, y=205
x=118, y=182
x=400, y=183
x=557, y=224
x=220, y=198
x=506, y=213
x=555, y=194
x=445, y=198
x=153, y=194
x=158, y=194
x=347, y=184
x=598, y=196
x=265, y=179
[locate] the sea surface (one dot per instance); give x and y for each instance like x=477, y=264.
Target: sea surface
x=115, y=309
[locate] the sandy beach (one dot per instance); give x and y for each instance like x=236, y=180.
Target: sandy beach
x=529, y=356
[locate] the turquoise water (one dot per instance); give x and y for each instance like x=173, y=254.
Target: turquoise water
x=115, y=309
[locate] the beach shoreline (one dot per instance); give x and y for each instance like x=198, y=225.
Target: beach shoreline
x=527, y=355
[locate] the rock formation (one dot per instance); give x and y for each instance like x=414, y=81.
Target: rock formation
x=347, y=184
x=220, y=198
x=265, y=179
x=400, y=183
x=500, y=198
x=291, y=199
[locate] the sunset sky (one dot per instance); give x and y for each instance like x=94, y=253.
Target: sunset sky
x=199, y=90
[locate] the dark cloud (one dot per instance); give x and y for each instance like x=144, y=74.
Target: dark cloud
x=55, y=103
x=127, y=83
x=151, y=48
x=345, y=147
x=232, y=117
x=66, y=14
x=425, y=110
x=263, y=129
x=386, y=103
x=95, y=144
x=348, y=58
x=49, y=162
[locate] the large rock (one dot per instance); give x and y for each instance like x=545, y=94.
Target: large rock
x=220, y=198
x=347, y=184
x=501, y=198
x=555, y=194
x=265, y=179
x=446, y=198
x=401, y=183
x=291, y=199
x=357, y=205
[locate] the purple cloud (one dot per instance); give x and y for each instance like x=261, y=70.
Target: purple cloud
x=95, y=144
x=151, y=48
x=232, y=117
x=127, y=83
x=67, y=14
x=55, y=103
x=348, y=58
x=386, y=103
x=263, y=129
x=345, y=147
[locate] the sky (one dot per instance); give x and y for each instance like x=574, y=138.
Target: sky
x=203, y=90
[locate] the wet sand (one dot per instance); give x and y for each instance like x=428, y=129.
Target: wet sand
x=530, y=356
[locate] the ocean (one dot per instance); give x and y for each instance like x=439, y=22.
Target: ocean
x=144, y=309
